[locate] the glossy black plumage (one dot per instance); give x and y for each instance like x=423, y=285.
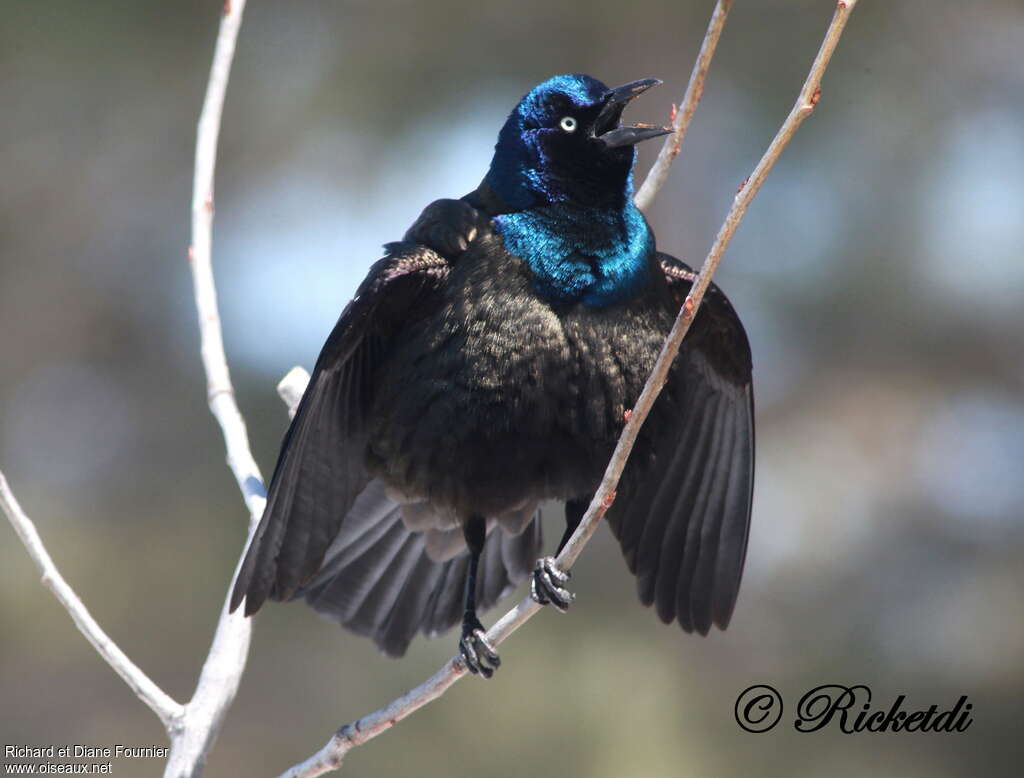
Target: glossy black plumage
x=682, y=516
x=454, y=389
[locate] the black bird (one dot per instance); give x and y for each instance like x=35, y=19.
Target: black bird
x=484, y=366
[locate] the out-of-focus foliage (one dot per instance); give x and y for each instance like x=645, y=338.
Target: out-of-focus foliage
x=879, y=273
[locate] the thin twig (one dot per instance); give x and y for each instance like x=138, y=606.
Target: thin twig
x=349, y=736
x=192, y=727
x=658, y=173
x=169, y=711
x=219, y=390
x=225, y=663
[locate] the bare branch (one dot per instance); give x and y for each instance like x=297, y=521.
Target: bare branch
x=222, y=671
x=658, y=173
x=215, y=691
x=219, y=390
x=193, y=727
x=331, y=755
x=169, y=711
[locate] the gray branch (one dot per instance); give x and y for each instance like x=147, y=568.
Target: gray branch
x=193, y=727
x=167, y=710
x=658, y=173
x=222, y=671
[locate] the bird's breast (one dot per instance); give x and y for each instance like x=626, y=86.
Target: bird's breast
x=500, y=397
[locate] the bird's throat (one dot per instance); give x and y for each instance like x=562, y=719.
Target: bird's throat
x=577, y=254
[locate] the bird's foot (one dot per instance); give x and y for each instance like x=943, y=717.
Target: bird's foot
x=477, y=652
x=548, y=584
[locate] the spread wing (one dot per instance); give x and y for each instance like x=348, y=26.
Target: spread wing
x=320, y=469
x=683, y=516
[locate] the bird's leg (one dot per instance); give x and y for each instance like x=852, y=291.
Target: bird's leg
x=477, y=651
x=549, y=580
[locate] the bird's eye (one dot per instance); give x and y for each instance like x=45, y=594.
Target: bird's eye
x=568, y=124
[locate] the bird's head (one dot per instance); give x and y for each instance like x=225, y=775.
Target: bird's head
x=564, y=142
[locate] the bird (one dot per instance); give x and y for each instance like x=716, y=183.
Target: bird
x=486, y=366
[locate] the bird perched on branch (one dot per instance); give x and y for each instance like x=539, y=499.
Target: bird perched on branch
x=486, y=365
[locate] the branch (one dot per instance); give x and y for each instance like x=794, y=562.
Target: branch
x=193, y=727
x=222, y=671
x=219, y=391
x=349, y=736
x=658, y=173
x=168, y=711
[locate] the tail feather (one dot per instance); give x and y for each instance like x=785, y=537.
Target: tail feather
x=368, y=521
x=447, y=603
x=519, y=554
x=366, y=585
x=378, y=580
x=380, y=601
x=409, y=610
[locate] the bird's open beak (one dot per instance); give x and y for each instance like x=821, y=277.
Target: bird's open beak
x=607, y=124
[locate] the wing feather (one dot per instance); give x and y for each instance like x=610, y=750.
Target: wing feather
x=320, y=470
x=684, y=516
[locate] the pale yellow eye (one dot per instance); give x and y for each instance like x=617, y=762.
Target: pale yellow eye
x=568, y=124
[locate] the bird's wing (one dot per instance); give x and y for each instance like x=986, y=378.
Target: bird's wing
x=447, y=226
x=683, y=515
x=320, y=469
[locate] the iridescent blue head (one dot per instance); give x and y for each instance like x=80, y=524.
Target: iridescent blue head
x=562, y=169
x=563, y=142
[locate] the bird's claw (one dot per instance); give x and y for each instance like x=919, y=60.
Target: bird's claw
x=477, y=652
x=548, y=584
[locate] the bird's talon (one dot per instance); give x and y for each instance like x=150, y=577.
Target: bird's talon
x=546, y=585
x=478, y=654
x=488, y=650
x=537, y=593
x=468, y=656
x=558, y=574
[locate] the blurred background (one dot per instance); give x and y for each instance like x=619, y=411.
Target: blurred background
x=879, y=274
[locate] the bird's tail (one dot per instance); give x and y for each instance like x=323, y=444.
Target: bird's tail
x=378, y=580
